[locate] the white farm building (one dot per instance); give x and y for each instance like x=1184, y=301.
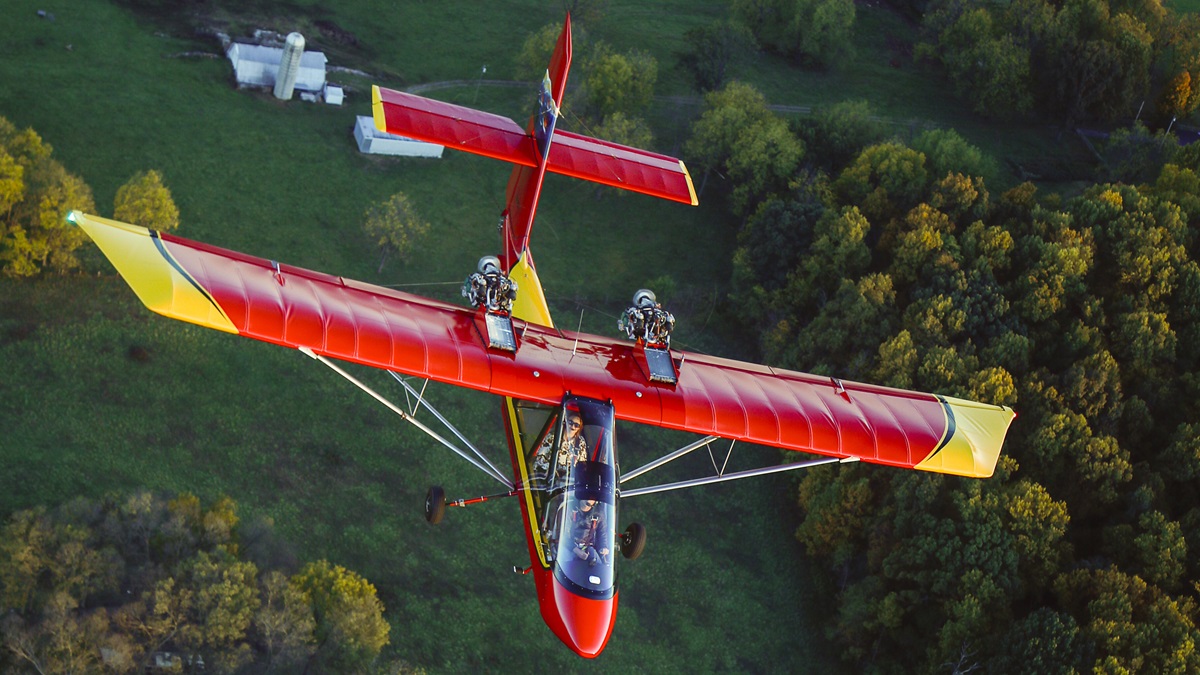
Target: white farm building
x=372, y=141
x=257, y=66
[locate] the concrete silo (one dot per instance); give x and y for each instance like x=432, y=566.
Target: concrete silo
x=289, y=65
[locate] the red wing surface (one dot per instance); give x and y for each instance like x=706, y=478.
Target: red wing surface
x=454, y=126
x=396, y=331
x=621, y=166
x=482, y=133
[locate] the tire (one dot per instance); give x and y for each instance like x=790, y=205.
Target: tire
x=633, y=542
x=435, y=505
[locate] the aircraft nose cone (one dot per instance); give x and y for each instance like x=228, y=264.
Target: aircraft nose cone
x=588, y=622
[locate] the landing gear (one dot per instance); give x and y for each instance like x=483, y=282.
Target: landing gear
x=633, y=541
x=435, y=505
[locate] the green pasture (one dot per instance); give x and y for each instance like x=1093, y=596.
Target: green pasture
x=99, y=395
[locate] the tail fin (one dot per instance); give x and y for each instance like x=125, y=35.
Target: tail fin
x=554, y=84
x=560, y=62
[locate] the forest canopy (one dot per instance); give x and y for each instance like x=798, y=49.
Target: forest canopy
x=125, y=582
x=888, y=259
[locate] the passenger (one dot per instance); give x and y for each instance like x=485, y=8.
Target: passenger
x=588, y=532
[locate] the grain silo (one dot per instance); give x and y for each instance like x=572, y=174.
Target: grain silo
x=289, y=65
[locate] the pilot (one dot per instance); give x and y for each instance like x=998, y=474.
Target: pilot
x=571, y=449
x=587, y=529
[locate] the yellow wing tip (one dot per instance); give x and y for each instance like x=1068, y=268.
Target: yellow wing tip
x=691, y=188
x=377, y=109
x=975, y=438
x=152, y=273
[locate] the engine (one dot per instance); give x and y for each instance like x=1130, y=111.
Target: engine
x=489, y=287
x=647, y=322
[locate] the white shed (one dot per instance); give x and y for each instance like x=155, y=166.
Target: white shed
x=371, y=141
x=257, y=66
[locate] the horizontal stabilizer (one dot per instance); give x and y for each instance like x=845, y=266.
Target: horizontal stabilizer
x=454, y=126
x=481, y=133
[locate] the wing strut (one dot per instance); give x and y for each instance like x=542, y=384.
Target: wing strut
x=488, y=469
x=668, y=458
x=733, y=476
x=421, y=401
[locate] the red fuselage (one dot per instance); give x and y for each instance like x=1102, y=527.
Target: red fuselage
x=573, y=566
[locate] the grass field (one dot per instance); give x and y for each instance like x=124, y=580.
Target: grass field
x=723, y=585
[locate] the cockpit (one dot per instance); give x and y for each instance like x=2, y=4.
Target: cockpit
x=572, y=474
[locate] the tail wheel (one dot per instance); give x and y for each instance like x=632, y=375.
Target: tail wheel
x=435, y=505
x=633, y=541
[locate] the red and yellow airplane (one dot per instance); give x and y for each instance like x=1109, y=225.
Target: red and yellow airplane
x=562, y=391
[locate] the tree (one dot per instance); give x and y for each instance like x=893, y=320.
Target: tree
x=738, y=135
x=538, y=47
x=1039, y=526
x=1137, y=155
x=350, y=630
x=814, y=32
x=836, y=508
x=774, y=239
x=39, y=235
x=1128, y=624
x=897, y=363
x=37, y=193
x=395, y=227
x=1054, y=271
x=66, y=641
x=285, y=621
x=834, y=136
x=712, y=50
x=1096, y=64
x=12, y=184
x=885, y=181
x=145, y=201
x=946, y=152
x=615, y=82
x=139, y=575
x=987, y=66
x=727, y=112
x=224, y=601
x=1092, y=386
x=1181, y=459
x=1044, y=642
x=1160, y=550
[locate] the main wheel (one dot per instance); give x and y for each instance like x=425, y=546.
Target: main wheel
x=435, y=505
x=633, y=541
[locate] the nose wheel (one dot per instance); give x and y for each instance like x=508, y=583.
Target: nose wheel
x=633, y=541
x=435, y=505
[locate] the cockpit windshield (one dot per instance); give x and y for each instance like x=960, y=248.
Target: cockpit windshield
x=587, y=539
x=573, y=471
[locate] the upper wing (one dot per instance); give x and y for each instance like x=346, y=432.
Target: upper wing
x=388, y=329
x=461, y=128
